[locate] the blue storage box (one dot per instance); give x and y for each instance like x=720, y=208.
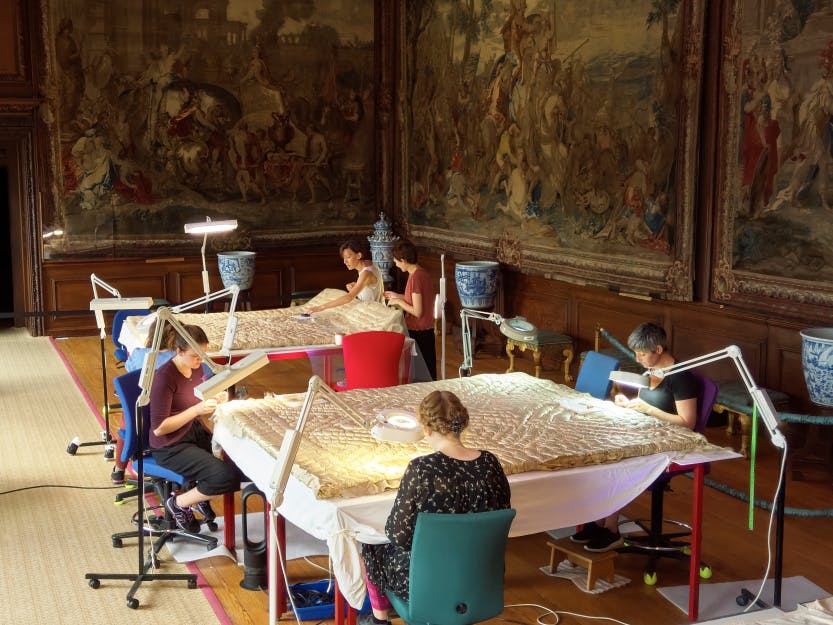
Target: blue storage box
x=323, y=610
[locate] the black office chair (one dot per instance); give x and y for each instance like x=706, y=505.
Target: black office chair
x=651, y=539
x=157, y=478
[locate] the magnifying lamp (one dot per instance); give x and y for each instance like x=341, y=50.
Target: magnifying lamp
x=516, y=328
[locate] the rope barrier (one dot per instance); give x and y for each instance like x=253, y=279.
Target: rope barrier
x=767, y=505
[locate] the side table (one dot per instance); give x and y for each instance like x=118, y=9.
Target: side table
x=543, y=340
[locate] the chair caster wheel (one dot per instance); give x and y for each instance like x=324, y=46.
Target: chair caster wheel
x=73, y=446
x=650, y=578
x=212, y=526
x=192, y=583
x=95, y=583
x=132, y=603
x=117, y=543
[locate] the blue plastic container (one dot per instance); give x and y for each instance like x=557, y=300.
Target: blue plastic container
x=323, y=610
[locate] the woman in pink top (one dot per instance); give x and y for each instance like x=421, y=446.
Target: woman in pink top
x=417, y=302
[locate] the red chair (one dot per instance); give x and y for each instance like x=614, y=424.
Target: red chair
x=371, y=359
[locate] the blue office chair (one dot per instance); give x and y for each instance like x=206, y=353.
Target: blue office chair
x=160, y=479
x=457, y=568
x=594, y=375
x=650, y=539
x=120, y=352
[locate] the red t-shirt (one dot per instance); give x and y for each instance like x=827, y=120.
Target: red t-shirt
x=420, y=282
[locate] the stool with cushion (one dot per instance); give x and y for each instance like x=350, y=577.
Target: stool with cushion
x=457, y=568
x=652, y=540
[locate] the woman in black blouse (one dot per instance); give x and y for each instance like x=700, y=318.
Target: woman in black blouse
x=453, y=479
x=672, y=399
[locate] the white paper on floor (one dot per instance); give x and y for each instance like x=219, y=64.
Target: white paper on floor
x=298, y=543
x=578, y=575
x=719, y=600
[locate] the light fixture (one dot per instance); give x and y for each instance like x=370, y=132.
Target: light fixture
x=231, y=324
x=397, y=426
x=98, y=305
x=516, y=328
x=205, y=228
x=224, y=375
x=283, y=467
x=439, y=313
x=768, y=415
x=765, y=406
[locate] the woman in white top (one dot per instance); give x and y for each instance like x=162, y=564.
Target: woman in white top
x=368, y=286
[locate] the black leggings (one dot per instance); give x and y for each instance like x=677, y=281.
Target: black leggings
x=192, y=458
x=428, y=348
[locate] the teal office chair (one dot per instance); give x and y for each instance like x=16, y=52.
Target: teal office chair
x=457, y=567
x=594, y=375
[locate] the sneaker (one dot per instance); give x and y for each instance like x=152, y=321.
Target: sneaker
x=367, y=618
x=117, y=476
x=605, y=540
x=183, y=516
x=586, y=533
x=205, y=510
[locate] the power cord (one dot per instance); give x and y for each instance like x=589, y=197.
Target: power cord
x=754, y=602
x=556, y=613
x=22, y=488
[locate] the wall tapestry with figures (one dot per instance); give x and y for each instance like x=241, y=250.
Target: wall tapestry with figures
x=167, y=112
x=775, y=179
x=558, y=135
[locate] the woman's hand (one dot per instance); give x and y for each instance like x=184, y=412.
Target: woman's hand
x=350, y=285
x=392, y=295
x=621, y=400
x=315, y=309
x=640, y=405
x=206, y=407
x=221, y=397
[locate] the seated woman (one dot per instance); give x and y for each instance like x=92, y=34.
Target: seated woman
x=453, y=479
x=672, y=399
x=368, y=286
x=178, y=439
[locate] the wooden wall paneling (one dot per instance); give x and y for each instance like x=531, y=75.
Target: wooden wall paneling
x=783, y=367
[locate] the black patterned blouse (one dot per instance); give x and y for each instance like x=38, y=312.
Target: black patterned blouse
x=432, y=483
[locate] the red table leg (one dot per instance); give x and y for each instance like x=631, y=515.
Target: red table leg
x=342, y=608
x=696, y=539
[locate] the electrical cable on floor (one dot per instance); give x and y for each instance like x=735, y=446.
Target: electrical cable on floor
x=557, y=613
x=754, y=602
x=22, y=488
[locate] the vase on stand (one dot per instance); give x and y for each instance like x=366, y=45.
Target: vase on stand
x=381, y=246
x=817, y=361
x=237, y=267
x=476, y=283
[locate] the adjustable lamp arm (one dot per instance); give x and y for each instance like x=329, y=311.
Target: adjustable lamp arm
x=765, y=406
x=96, y=281
x=465, y=315
x=231, y=326
x=164, y=315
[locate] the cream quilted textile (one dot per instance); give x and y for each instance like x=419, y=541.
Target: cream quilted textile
x=280, y=327
x=516, y=416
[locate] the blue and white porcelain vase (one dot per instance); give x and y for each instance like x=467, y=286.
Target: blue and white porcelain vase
x=817, y=360
x=237, y=268
x=476, y=283
x=381, y=246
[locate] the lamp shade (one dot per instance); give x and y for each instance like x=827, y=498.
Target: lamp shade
x=397, y=426
x=629, y=378
x=210, y=227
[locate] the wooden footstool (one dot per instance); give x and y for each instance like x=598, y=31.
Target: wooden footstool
x=543, y=340
x=598, y=565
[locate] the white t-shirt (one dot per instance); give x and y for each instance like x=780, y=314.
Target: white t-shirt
x=372, y=293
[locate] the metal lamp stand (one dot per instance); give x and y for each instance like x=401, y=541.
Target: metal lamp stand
x=144, y=564
x=106, y=437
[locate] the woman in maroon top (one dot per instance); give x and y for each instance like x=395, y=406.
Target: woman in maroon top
x=178, y=439
x=417, y=302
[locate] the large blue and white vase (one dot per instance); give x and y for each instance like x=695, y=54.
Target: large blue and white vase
x=381, y=247
x=237, y=268
x=817, y=360
x=476, y=283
